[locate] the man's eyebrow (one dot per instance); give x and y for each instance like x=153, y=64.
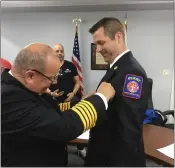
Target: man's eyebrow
x=100, y=41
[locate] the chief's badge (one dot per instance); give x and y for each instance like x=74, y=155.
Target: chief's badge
x=132, y=86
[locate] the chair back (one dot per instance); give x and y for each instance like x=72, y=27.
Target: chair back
x=153, y=116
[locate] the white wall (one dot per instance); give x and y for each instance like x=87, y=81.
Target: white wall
x=172, y=95
x=170, y=117
x=150, y=37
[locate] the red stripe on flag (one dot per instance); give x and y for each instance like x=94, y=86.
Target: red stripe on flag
x=77, y=65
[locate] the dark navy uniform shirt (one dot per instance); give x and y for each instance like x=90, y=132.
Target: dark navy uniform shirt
x=65, y=80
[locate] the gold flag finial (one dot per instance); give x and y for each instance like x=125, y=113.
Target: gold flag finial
x=76, y=20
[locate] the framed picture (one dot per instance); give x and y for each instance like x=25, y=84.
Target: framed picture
x=97, y=60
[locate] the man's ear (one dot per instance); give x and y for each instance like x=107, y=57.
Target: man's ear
x=118, y=36
x=29, y=75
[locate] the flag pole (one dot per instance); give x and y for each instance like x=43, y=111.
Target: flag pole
x=125, y=25
x=76, y=20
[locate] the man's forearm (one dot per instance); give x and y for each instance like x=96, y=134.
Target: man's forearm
x=76, y=87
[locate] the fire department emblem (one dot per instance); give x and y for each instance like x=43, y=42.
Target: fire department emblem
x=133, y=86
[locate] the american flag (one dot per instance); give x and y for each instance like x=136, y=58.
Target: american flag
x=76, y=61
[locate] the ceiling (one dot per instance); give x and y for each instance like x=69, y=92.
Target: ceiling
x=85, y=5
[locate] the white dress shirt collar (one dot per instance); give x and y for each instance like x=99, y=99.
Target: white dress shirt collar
x=118, y=57
x=10, y=73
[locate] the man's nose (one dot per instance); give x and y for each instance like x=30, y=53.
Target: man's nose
x=54, y=81
x=98, y=48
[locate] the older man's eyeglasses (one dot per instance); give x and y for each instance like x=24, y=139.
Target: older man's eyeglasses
x=52, y=79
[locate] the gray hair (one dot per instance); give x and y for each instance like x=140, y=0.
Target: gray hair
x=27, y=59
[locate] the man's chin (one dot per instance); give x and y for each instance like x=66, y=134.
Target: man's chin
x=44, y=91
x=107, y=61
x=61, y=59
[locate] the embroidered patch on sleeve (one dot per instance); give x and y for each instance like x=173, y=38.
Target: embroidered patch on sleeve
x=133, y=86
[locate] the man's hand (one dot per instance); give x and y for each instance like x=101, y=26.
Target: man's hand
x=55, y=93
x=70, y=96
x=107, y=90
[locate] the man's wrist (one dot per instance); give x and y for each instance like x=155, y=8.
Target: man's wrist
x=105, y=100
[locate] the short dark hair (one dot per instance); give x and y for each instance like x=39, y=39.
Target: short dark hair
x=111, y=27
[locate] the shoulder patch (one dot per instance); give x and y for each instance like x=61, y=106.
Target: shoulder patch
x=133, y=86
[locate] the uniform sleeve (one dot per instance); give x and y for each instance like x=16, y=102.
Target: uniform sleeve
x=73, y=122
x=61, y=106
x=66, y=106
x=133, y=91
x=43, y=122
x=132, y=86
x=74, y=70
x=135, y=95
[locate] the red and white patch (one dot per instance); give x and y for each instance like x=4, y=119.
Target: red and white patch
x=133, y=86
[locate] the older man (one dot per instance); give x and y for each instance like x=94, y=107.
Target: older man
x=34, y=131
